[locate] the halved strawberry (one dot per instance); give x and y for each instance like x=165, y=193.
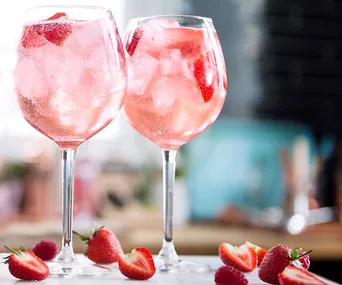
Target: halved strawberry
x=54, y=32
x=132, y=42
x=206, y=76
x=293, y=275
x=137, y=265
x=25, y=265
x=261, y=252
x=57, y=16
x=243, y=258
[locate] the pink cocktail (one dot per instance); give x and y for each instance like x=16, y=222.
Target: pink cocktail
x=70, y=81
x=176, y=89
x=69, y=88
x=177, y=86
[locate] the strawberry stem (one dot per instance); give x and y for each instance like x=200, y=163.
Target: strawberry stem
x=305, y=253
x=93, y=232
x=83, y=238
x=10, y=249
x=295, y=253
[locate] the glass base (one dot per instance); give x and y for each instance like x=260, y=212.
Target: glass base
x=76, y=270
x=181, y=266
x=168, y=261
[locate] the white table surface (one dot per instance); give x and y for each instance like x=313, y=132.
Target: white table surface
x=116, y=278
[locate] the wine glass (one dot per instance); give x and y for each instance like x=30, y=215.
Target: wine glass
x=70, y=80
x=176, y=89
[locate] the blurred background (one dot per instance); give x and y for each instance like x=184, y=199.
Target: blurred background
x=269, y=169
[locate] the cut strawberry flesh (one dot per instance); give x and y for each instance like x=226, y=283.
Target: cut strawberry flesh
x=243, y=258
x=27, y=266
x=261, y=252
x=293, y=275
x=137, y=265
x=54, y=32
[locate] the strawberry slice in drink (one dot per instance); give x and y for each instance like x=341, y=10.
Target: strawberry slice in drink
x=205, y=73
x=131, y=43
x=53, y=31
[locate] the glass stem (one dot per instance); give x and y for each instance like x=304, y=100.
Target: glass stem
x=168, y=252
x=66, y=254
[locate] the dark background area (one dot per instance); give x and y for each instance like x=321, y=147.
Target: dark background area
x=284, y=62
x=286, y=59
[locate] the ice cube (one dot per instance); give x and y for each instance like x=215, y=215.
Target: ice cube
x=85, y=35
x=60, y=66
x=29, y=81
x=141, y=68
x=45, y=59
x=106, y=65
x=172, y=63
x=152, y=40
x=164, y=92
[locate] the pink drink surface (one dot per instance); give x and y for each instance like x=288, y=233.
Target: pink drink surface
x=69, y=90
x=167, y=66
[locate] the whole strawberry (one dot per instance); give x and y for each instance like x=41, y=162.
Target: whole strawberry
x=25, y=265
x=276, y=260
x=305, y=259
x=46, y=250
x=228, y=275
x=102, y=247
